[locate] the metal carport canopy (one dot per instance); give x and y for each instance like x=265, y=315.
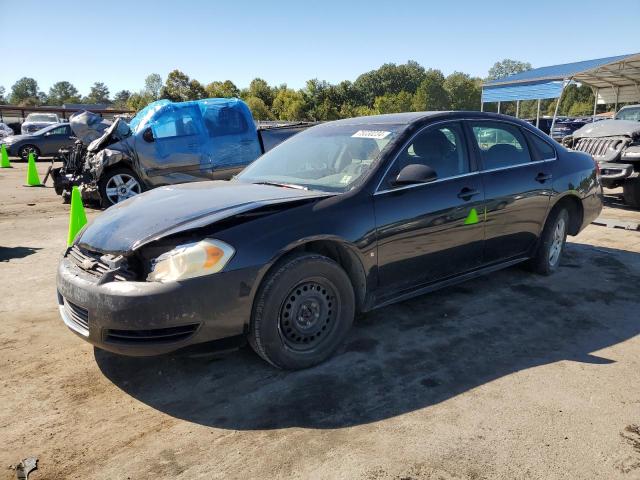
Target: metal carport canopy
x=615, y=79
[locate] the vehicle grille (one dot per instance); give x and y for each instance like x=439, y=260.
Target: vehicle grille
x=76, y=314
x=95, y=264
x=157, y=335
x=597, y=147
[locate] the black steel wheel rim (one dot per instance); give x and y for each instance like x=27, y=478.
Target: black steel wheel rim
x=309, y=314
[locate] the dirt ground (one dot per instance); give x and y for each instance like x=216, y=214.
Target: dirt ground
x=506, y=377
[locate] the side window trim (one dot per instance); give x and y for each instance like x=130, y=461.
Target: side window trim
x=471, y=161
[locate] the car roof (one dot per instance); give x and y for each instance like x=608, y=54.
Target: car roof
x=387, y=118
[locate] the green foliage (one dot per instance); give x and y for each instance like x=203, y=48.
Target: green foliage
x=153, y=86
x=388, y=79
x=176, y=87
x=259, y=88
x=25, y=92
x=2, y=99
x=121, y=98
x=63, y=92
x=431, y=94
x=464, y=91
x=393, y=102
x=288, y=104
x=226, y=89
x=99, y=93
x=579, y=109
x=258, y=108
x=507, y=67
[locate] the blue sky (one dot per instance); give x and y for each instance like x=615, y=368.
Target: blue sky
x=120, y=42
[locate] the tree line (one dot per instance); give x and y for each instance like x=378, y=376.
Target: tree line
x=392, y=88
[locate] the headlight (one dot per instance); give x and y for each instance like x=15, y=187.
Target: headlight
x=191, y=260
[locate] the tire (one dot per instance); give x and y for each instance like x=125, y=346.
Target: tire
x=631, y=191
x=551, y=244
x=115, y=186
x=302, y=312
x=23, y=152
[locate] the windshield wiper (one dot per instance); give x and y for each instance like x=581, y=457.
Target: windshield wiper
x=285, y=185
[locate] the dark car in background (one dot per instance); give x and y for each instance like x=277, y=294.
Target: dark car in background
x=562, y=128
x=342, y=218
x=544, y=123
x=44, y=143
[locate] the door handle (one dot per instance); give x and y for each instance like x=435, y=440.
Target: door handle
x=543, y=177
x=467, y=193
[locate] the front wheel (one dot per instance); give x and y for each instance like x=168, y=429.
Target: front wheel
x=303, y=311
x=551, y=243
x=117, y=185
x=25, y=150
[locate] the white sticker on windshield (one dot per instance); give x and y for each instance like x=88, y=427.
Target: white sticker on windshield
x=375, y=134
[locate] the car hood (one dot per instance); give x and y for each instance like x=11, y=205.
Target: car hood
x=164, y=211
x=608, y=128
x=19, y=138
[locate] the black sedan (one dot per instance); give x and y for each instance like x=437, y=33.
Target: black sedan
x=45, y=142
x=343, y=218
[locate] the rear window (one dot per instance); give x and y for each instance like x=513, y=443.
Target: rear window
x=224, y=121
x=542, y=149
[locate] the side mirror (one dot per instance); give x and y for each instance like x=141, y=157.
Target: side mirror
x=416, y=173
x=147, y=135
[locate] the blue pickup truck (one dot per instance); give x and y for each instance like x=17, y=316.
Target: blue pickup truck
x=165, y=143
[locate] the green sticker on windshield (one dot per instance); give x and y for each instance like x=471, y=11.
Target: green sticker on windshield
x=472, y=217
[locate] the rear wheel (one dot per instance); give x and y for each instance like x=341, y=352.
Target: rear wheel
x=552, y=241
x=631, y=191
x=25, y=150
x=117, y=185
x=303, y=311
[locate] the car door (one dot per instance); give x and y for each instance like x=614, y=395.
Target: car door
x=517, y=185
x=428, y=232
x=55, y=139
x=232, y=139
x=175, y=150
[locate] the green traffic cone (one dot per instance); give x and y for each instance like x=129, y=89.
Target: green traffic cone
x=33, y=180
x=77, y=217
x=4, y=157
x=472, y=218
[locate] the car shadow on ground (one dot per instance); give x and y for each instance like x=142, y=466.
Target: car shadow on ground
x=407, y=356
x=10, y=253
x=614, y=199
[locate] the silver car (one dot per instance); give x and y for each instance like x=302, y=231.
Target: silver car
x=37, y=121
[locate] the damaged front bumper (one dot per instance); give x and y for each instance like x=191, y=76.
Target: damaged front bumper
x=151, y=318
x=613, y=174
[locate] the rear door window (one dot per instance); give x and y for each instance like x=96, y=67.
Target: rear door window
x=501, y=144
x=542, y=149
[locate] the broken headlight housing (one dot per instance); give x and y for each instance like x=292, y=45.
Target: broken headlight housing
x=191, y=260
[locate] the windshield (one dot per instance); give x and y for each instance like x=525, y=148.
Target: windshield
x=138, y=122
x=329, y=157
x=41, y=117
x=629, y=114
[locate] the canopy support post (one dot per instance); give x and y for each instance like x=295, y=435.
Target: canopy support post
x=517, y=108
x=482, y=106
x=555, y=113
x=595, y=104
x=498, y=107
x=538, y=115
x=615, y=109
